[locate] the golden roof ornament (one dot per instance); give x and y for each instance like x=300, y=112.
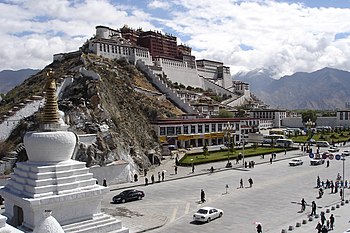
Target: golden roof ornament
x=50, y=117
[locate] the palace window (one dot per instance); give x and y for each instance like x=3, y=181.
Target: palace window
x=170, y=130
x=213, y=127
x=219, y=127
x=200, y=128
x=178, y=130
x=193, y=129
x=206, y=128
x=162, y=131
x=186, y=129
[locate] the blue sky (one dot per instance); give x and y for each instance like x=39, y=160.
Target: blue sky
x=283, y=36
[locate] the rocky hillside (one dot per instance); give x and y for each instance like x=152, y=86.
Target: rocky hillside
x=104, y=103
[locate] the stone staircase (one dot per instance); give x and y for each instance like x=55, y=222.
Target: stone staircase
x=170, y=95
x=109, y=223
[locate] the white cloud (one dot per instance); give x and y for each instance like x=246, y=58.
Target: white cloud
x=284, y=37
x=159, y=4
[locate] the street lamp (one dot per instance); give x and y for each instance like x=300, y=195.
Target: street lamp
x=342, y=198
x=309, y=124
x=228, y=136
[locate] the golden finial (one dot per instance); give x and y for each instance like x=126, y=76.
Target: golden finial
x=50, y=115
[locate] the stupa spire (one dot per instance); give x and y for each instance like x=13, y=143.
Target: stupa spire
x=50, y=118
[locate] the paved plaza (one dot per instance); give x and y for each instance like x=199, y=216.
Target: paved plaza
x=273, y=200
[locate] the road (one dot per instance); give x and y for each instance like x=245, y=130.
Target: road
x=273, y=199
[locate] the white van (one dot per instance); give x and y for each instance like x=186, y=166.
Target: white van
x=322, y=144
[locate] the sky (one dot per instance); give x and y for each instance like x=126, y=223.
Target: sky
x=284, y=37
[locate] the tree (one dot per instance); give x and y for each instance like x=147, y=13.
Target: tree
x=224, y=114
x=205, y=150
x=309, y=115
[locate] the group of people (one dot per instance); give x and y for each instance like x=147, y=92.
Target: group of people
x=249, y=164
x=325, y=225
x=250, y=181
x=161, y=177
x=333, y=186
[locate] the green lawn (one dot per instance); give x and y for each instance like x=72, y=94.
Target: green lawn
x=330, y=137
x=188, y=159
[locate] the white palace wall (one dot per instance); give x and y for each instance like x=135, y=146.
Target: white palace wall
x=178, y=71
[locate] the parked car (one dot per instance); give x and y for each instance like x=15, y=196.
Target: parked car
x=206, y=214
x=296, y=162
x=314, y=162
x=128, y=195
x=333, y=149
x=346, y=153
x=322, y=144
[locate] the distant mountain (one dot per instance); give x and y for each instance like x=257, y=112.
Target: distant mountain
x=327, y=88
x=10, y=78
x=258, y=79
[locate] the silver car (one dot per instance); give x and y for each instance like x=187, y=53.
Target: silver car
x=206, y=214
x=295, y=162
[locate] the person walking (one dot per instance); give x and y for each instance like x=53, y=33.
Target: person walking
x=241, y=183
x=259, y=228
x=318, y=227
x=152, y=178
x=323, y=218
x=192, y=168
x=146, y=181
x=331, y=222
x=271, y=160
x=159, y=177
x=202, y=196
x=175, y=170
x=341, y=194
x=303, y=204
x=250, y=181
x=313, y=208
x=163, y=175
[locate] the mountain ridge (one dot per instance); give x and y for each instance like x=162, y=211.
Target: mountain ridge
x=323, y=89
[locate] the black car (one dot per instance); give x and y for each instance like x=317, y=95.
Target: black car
x=128, y=195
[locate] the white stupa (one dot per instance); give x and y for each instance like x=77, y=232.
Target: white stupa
x=51, y=180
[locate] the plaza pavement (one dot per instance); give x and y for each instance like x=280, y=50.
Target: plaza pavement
x=154, y=221
x=151, y=222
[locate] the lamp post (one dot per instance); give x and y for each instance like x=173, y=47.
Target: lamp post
x=342, y=198
x=228, y=134
x=308, y=125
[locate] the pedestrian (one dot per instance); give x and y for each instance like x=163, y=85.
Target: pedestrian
x=331, y=222
x=241, y=183
x=145, y=172
x=163, y=175
x=146, y=181
x=259, y=228
x=192, y=168
x=104, y=182
x=152, y=178
x=324, y=229
x=175, y=170
x=202, y=196
x=303, y=204
x=245, y=164
x=341, y=194
x=158, y=176
x=135, y=177
x=318, y=182
x=318, y=227
x=332, y=186
x=271, y=160
x=323, y=218
x=250, y=180
x=313, y=208
x=285, y=151
x=327, y=163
